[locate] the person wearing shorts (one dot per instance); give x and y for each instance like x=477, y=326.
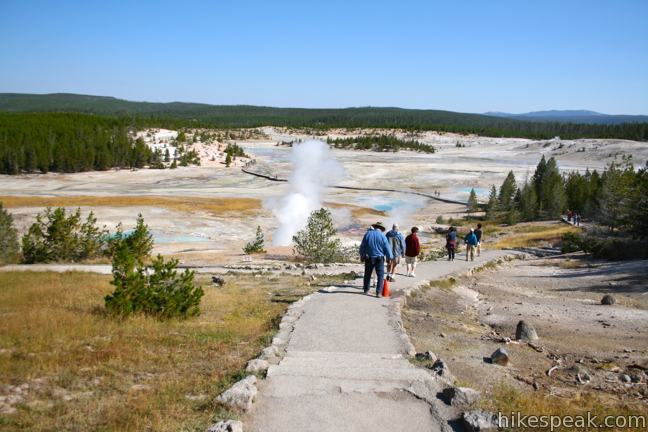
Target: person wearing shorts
x=412, y=251
x=479, y=233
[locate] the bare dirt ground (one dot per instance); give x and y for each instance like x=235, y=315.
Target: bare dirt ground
x=588, y=348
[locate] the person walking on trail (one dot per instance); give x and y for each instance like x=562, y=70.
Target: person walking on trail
x=412, y=251
x=471, y=244
x=577, y=218
x=397, y=243
x=479, y=233
x=451, y=243
x=373, y=251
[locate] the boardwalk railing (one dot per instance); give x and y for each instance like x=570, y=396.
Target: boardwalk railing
x=438, y=198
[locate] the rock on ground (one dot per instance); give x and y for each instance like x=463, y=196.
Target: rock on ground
x=526, y=332
x=226, y=426
x=476, y=421
x=257, y=366
x=608, y=300
x=241, y=395
x=461, y=396
x=500, y=357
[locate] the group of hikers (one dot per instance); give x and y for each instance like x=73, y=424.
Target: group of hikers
x=575, y=216
x=382, y=251
x=472, y=240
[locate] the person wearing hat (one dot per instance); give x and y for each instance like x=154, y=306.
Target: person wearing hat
x=374, y=249
x=471, y=244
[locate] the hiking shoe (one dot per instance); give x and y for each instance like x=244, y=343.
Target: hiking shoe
x=412, y=275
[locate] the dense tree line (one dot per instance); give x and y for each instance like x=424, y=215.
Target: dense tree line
x=616, y=198
x=176, y=115
x=66, y=142
x=381, y=143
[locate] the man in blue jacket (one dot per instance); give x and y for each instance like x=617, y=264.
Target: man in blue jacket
x=471, y=244
x=373, y=251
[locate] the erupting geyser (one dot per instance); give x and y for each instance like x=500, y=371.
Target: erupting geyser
x=314, y=168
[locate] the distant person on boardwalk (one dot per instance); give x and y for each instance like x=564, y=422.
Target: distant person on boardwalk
x=412, y=251
x=451, y=243
x=577, y=219
x=397, y=243
x=569, y=215
x=373, y=251
x=471, y=244
x=479, y=233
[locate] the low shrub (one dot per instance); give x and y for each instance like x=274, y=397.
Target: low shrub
x=58, y=236
x=256, y=246
x=8, y=237
x=605, y=247
x=159, y=291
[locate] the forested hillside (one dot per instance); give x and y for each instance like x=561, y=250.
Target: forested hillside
x=67, y=142
x=177, y=113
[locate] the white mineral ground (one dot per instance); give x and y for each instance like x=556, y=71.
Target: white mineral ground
x=201, y=238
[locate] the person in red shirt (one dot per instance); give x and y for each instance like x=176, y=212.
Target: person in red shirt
x=412, y=250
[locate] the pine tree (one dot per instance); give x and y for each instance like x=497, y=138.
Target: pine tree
x=493, y=206
x=93, y=239
x=140, y=154
x=8, y=237
x=473, y=205
x=577, y=192
x=317, y=242
x=256, y=246
x=507, y=192
x=639, y=204
x=538, y=175
x=528, y=202
x=140, y=241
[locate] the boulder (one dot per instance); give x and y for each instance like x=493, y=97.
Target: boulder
x=460, y=396
x=226, y=426
x=241, y=395
x=608, y=300
x=500, y=357
x=257, y=366
x=525, y=332
x=269, y=352
x=479, y=420
x=427, y=355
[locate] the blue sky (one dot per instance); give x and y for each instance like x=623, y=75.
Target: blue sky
x=471, y=56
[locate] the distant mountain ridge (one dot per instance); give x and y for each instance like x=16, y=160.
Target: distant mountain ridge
x=572, y=116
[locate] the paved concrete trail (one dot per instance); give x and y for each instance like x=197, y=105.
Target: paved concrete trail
x=346, y=366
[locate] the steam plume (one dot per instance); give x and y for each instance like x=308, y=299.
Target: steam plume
x=314, y=168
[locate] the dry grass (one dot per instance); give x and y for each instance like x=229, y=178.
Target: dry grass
x=87, y=371
x=506, y=399
x=530, y=235
x=214, y=206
